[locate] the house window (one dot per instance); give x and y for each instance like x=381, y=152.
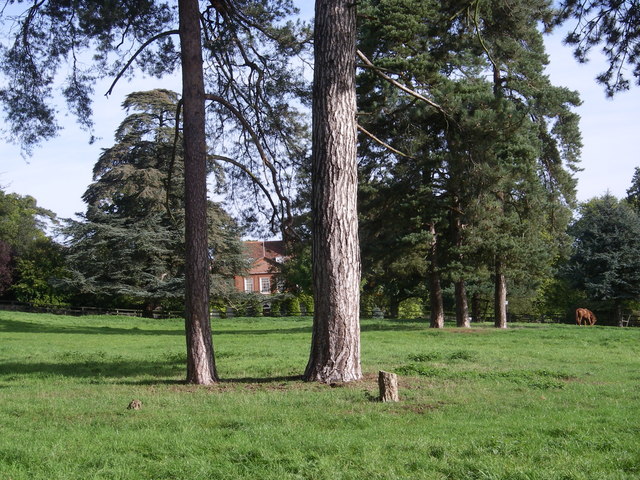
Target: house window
x=265, y=285
x=248, y=284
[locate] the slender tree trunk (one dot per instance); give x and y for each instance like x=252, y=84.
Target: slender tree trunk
x=200, y=363
x=435, y=299
x=619, y=313
x=335, y=343
x=476, y=312
x=394, y=307
x=500, y=305
x=462, y=307
x=435, y=289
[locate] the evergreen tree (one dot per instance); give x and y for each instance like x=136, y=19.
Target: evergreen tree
x=605, y=262
x=488, y=163
x=129, y=246
x=633, y=192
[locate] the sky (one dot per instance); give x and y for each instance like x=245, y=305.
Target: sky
x=59, y=171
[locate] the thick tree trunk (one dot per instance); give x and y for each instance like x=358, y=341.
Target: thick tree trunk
x=462, y=307
x=435, y=289
x=500, y=305
x=200, y=363
x=335, y=343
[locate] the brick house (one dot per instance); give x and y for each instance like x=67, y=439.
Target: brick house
x=262, y=276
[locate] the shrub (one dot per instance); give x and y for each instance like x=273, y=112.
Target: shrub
x=306, y=300
x=292, y=306
x=411, y=308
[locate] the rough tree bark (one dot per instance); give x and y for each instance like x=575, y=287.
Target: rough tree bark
x=335, y=343
x=388, y=386
x=500, y=306
x=200, y=362
x=435, y=288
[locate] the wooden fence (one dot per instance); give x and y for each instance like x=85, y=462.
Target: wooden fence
x=81, y=311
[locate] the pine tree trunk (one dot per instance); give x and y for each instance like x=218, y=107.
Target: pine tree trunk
x=394, y=307
x=435, y=299
x=500, y=305
x=476, y=312
x=619, y=314
x=435, y=289
x=335, y=343
x=462, y=307
x=200, y=362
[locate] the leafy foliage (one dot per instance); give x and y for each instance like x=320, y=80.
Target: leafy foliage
x=6, y=266
x=29, y=260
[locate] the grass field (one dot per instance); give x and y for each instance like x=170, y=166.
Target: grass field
x=532, y=402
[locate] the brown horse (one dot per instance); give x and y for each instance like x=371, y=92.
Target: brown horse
x=586, y=315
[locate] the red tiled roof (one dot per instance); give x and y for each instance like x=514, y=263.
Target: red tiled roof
x=267, y=249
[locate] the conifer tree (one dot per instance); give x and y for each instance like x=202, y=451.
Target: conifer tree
x=129, y=245
x=605, y=262
x=494, y=157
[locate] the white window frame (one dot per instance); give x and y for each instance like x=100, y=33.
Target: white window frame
x=248, y=285
x=265, y=285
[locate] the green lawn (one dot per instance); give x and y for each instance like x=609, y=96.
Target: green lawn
x=532, y=402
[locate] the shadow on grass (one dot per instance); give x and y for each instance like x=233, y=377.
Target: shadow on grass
x=16, y=326
x=263, y=380
x=264, y=331
x=102, y=369
x=129, y=372
x=393, y=325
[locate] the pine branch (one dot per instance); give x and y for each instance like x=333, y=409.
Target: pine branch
x=263, y=155
x=381, y=142
x=138, y=52
x=405, y=89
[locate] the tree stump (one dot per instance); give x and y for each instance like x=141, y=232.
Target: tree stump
x=388, y=383
x=135, y=405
